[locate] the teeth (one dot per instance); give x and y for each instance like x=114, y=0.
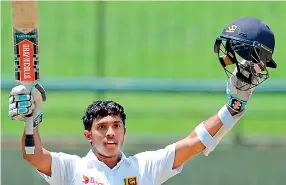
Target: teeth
x=111, y=142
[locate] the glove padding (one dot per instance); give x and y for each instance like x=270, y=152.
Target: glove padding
x=23, y=104
x=238, y=98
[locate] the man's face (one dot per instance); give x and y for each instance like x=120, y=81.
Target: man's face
x=107, y=135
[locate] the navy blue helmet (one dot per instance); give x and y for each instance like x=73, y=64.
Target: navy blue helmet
x=247, y=39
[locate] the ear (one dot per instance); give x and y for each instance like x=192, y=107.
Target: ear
x=88, y=135
x=124, y=130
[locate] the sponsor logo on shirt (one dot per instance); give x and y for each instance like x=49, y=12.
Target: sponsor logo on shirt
x=131, y=181
x=90, y=181
x=85, y=179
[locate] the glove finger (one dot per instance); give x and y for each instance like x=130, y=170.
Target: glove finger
x=11, y=99
x=13, y=112
x=12, y=106
x=32, y=107
x=19, y=112
x=30, y=111
x=24, y=97
x=20, y=89
x=23, y=111
x=24, y=104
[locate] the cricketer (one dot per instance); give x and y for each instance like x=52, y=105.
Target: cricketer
x=246, y=43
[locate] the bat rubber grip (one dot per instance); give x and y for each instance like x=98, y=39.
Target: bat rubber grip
x=29, y=144
x=29, y=138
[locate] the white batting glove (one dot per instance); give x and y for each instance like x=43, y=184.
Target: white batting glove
x=22, y=103
x=238, y=98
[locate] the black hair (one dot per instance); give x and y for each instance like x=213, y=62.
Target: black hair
x=100, y=109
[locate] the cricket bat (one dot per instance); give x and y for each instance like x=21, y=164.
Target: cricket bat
x=26, y=54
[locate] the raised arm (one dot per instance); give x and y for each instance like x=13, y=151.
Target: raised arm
x=21, y=103
x=41, y=159
x=207, y=135
x=195, y=143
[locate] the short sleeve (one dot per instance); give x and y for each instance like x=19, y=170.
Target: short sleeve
x=62, y=169
x=158, y=165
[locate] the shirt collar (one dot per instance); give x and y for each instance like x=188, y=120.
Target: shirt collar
x=91, y=157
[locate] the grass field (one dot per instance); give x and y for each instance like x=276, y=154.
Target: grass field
x=155, y=113
x=154, y=40
x=141, y=39
x=144, y=39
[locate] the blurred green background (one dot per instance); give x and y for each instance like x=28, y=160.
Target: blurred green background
x=158, y=40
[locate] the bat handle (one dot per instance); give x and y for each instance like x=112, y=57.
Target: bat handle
x=29, y=130
x=29, y=138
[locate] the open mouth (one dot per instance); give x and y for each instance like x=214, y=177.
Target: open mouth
x=111, y=144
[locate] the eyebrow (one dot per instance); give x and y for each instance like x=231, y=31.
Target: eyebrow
x=105, y=122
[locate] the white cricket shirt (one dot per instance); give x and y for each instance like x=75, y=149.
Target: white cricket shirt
x=146, y=168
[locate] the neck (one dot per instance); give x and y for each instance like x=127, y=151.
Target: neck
x=111, y=161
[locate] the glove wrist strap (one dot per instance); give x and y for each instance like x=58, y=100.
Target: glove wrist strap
x=236, y=104
x=37, y=120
